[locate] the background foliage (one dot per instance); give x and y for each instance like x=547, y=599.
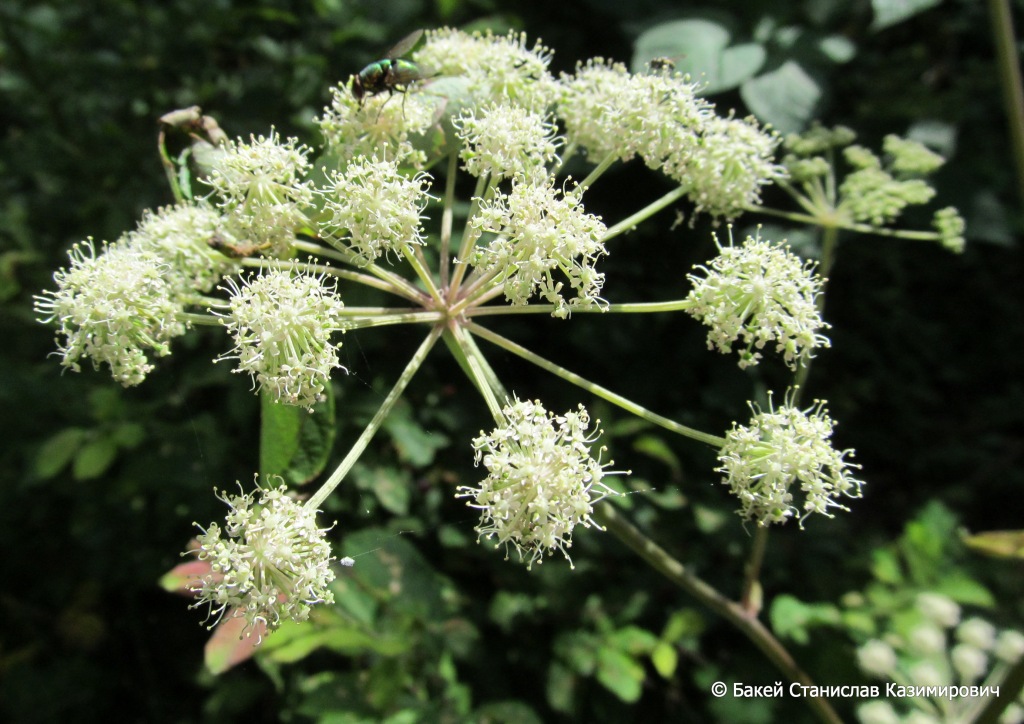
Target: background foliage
x=99, y=486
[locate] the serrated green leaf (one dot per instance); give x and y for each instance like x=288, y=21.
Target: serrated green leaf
x=890, y=12
x=665, y=659
x=57, y=452
x=294, y=443
x=787, y=97
x=94, y=458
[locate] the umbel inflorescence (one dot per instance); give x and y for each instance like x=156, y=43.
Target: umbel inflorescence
x=280, y=230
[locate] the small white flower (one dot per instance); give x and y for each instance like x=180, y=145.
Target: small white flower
x=272, y=563
x=114, y=308
x=505, y=141
x=282, y=324
x=543, y=236
x=783, y=451
x=927, y=639
x=756, y=294
x=375, y=208
x=542, y=480
x=379, y=124
x=181, y=235
x=494, y=67
x=1009, y=646
x=262, y=191
x=977, y=632
x=970, y=662
x=943, y=610
x=877, y=657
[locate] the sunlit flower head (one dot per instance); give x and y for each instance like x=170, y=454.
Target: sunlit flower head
x=262, y=190
x=543, y=239
x=877, y=657
x=182, y=235
x=115, y=308
x=502, y=68
x=758, y=294
x=505, y=141
x=373, y=208
x=270, y=563
x=282, y=324
x=542, y=480
x=379, y=124
x=939, y=609
x=609, y=111
x=784, y=453
x=724, y=173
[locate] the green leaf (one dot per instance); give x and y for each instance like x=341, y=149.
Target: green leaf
x=998, y=543
x=415, y=445
x=57, y=452
x=94, y=458
x=891, y=12
x=787, y=97
x=633, y=640
x=620, y=674
x=392, y=486
x=700, y=48
x=655, y=447
x=792, y=618
x=665, y=659
x=505, y=712
x=294, y=443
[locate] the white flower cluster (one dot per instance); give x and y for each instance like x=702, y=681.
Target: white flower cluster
x=542, y=480
x=722, y=163
x=272, y=563
x=375, y=208
x=541, y=232
x=494, y=68
x=506, y=141
x=929, y=646
x=282, y=324
x=262, y=191
x=781, y=452
x=756, y=294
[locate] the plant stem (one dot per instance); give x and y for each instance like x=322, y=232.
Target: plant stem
x=646, y=212
x=343, y=468
x=659, y=559
x=479, y=371
x=595, y=389
x=1010, y=81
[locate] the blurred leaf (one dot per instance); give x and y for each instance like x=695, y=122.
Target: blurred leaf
x=182, y=577
x=787, y=97
x=700, y=48
x=392, y=486
x=94, y=458
x=57, y=452
x=891, y=12
x=415, y=445
x=792, y=619
x=505, y=712
x=998, y=543
x=231, y=644
x=294, y=443
x=655, y=447
x=837, y=48
x=619, y=673
x=665, y=659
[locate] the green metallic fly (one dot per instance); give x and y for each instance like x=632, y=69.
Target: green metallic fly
x=390, y=74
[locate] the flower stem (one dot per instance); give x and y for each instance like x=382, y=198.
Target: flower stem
x=595, y=389
x=646, y=212
x=477, y=368
x=659, y=559
x=447, y=216
x=343, y=468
